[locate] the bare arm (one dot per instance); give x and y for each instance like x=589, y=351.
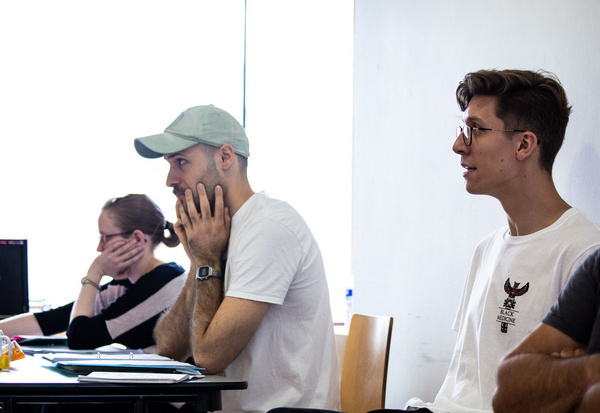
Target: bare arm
x=22, y=324
x=172, y=332
x=545, y=373
x=220, y=328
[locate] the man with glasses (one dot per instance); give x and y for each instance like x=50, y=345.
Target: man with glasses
x=514, y=125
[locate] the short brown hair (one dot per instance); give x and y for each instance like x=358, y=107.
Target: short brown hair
x=534, y=101
x=136, y=211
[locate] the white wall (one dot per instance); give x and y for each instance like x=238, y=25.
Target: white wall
x=414, y=225
x=299, y=119
x=80, y=80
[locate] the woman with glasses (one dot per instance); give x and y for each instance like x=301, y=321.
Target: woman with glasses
x=125, y=309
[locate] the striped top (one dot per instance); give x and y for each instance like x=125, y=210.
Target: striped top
x=128, y=314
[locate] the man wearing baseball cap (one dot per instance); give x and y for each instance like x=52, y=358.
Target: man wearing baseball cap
x=264, y=316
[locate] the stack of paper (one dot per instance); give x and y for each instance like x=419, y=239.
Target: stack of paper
x=131, y=377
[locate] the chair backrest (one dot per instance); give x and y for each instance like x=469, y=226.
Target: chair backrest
x=340, y=345
x=364, y=371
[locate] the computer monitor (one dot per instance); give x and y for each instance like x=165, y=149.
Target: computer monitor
x=14, y=287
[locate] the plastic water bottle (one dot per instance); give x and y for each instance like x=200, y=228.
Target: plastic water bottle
x=349, y=309
x=5, y=351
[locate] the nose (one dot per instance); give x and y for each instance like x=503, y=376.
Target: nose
x=172, y=178
x=459, y=146
x=100, y=246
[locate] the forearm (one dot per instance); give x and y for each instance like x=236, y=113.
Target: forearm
x=84, y=305
x=205, y=235
x=22, y=324
x=88, y=333
x=172, y=332
x=534, y=382
x=56, y=320
x=206, y=348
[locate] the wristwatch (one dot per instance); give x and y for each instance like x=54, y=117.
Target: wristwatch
x=205, y=272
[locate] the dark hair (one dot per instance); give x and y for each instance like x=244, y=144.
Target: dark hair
x=534, y=101
x=136, y=211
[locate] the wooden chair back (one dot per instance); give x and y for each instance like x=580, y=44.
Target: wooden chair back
x=364, y=369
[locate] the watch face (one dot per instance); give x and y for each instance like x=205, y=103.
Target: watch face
x=205, y=272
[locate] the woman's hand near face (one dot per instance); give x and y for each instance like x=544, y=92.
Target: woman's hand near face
x=116, y=258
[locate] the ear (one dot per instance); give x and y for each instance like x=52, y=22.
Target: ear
x=139, y=236
x=226, y=156
x=526, y=145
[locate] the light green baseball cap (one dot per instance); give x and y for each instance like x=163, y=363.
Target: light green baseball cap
x=199, y=124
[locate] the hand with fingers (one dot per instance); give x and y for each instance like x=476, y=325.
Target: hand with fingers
x=570, y=352
x=116, y=258
x=205, y=233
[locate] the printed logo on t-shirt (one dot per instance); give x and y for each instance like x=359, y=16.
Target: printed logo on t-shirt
x=508, y=314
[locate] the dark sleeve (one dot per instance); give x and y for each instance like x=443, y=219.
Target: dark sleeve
x=131, y=317
x=88, y=333
x=54, y=321
x=575, y=312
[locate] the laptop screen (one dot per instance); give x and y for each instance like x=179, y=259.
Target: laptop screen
x=14, y=287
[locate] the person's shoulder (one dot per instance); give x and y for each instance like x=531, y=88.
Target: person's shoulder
x=497, y=235
x=575, y=216
x=264, y=200
x=262, y=207
x=160, y=276
x=172, y=266
x=576, y=228
x=171, y=269
x=592, y=261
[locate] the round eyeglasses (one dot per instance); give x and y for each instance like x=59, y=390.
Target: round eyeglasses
x=467, y=132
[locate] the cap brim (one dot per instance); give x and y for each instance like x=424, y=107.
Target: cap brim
x=155, y=146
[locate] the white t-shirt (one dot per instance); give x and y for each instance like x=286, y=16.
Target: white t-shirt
x=512, y=283
x=291, y=360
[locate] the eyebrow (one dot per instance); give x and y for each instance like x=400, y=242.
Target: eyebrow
x=168, y=156
x=471, y=119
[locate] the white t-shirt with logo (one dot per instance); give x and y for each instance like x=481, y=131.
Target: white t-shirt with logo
x=512, y=283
